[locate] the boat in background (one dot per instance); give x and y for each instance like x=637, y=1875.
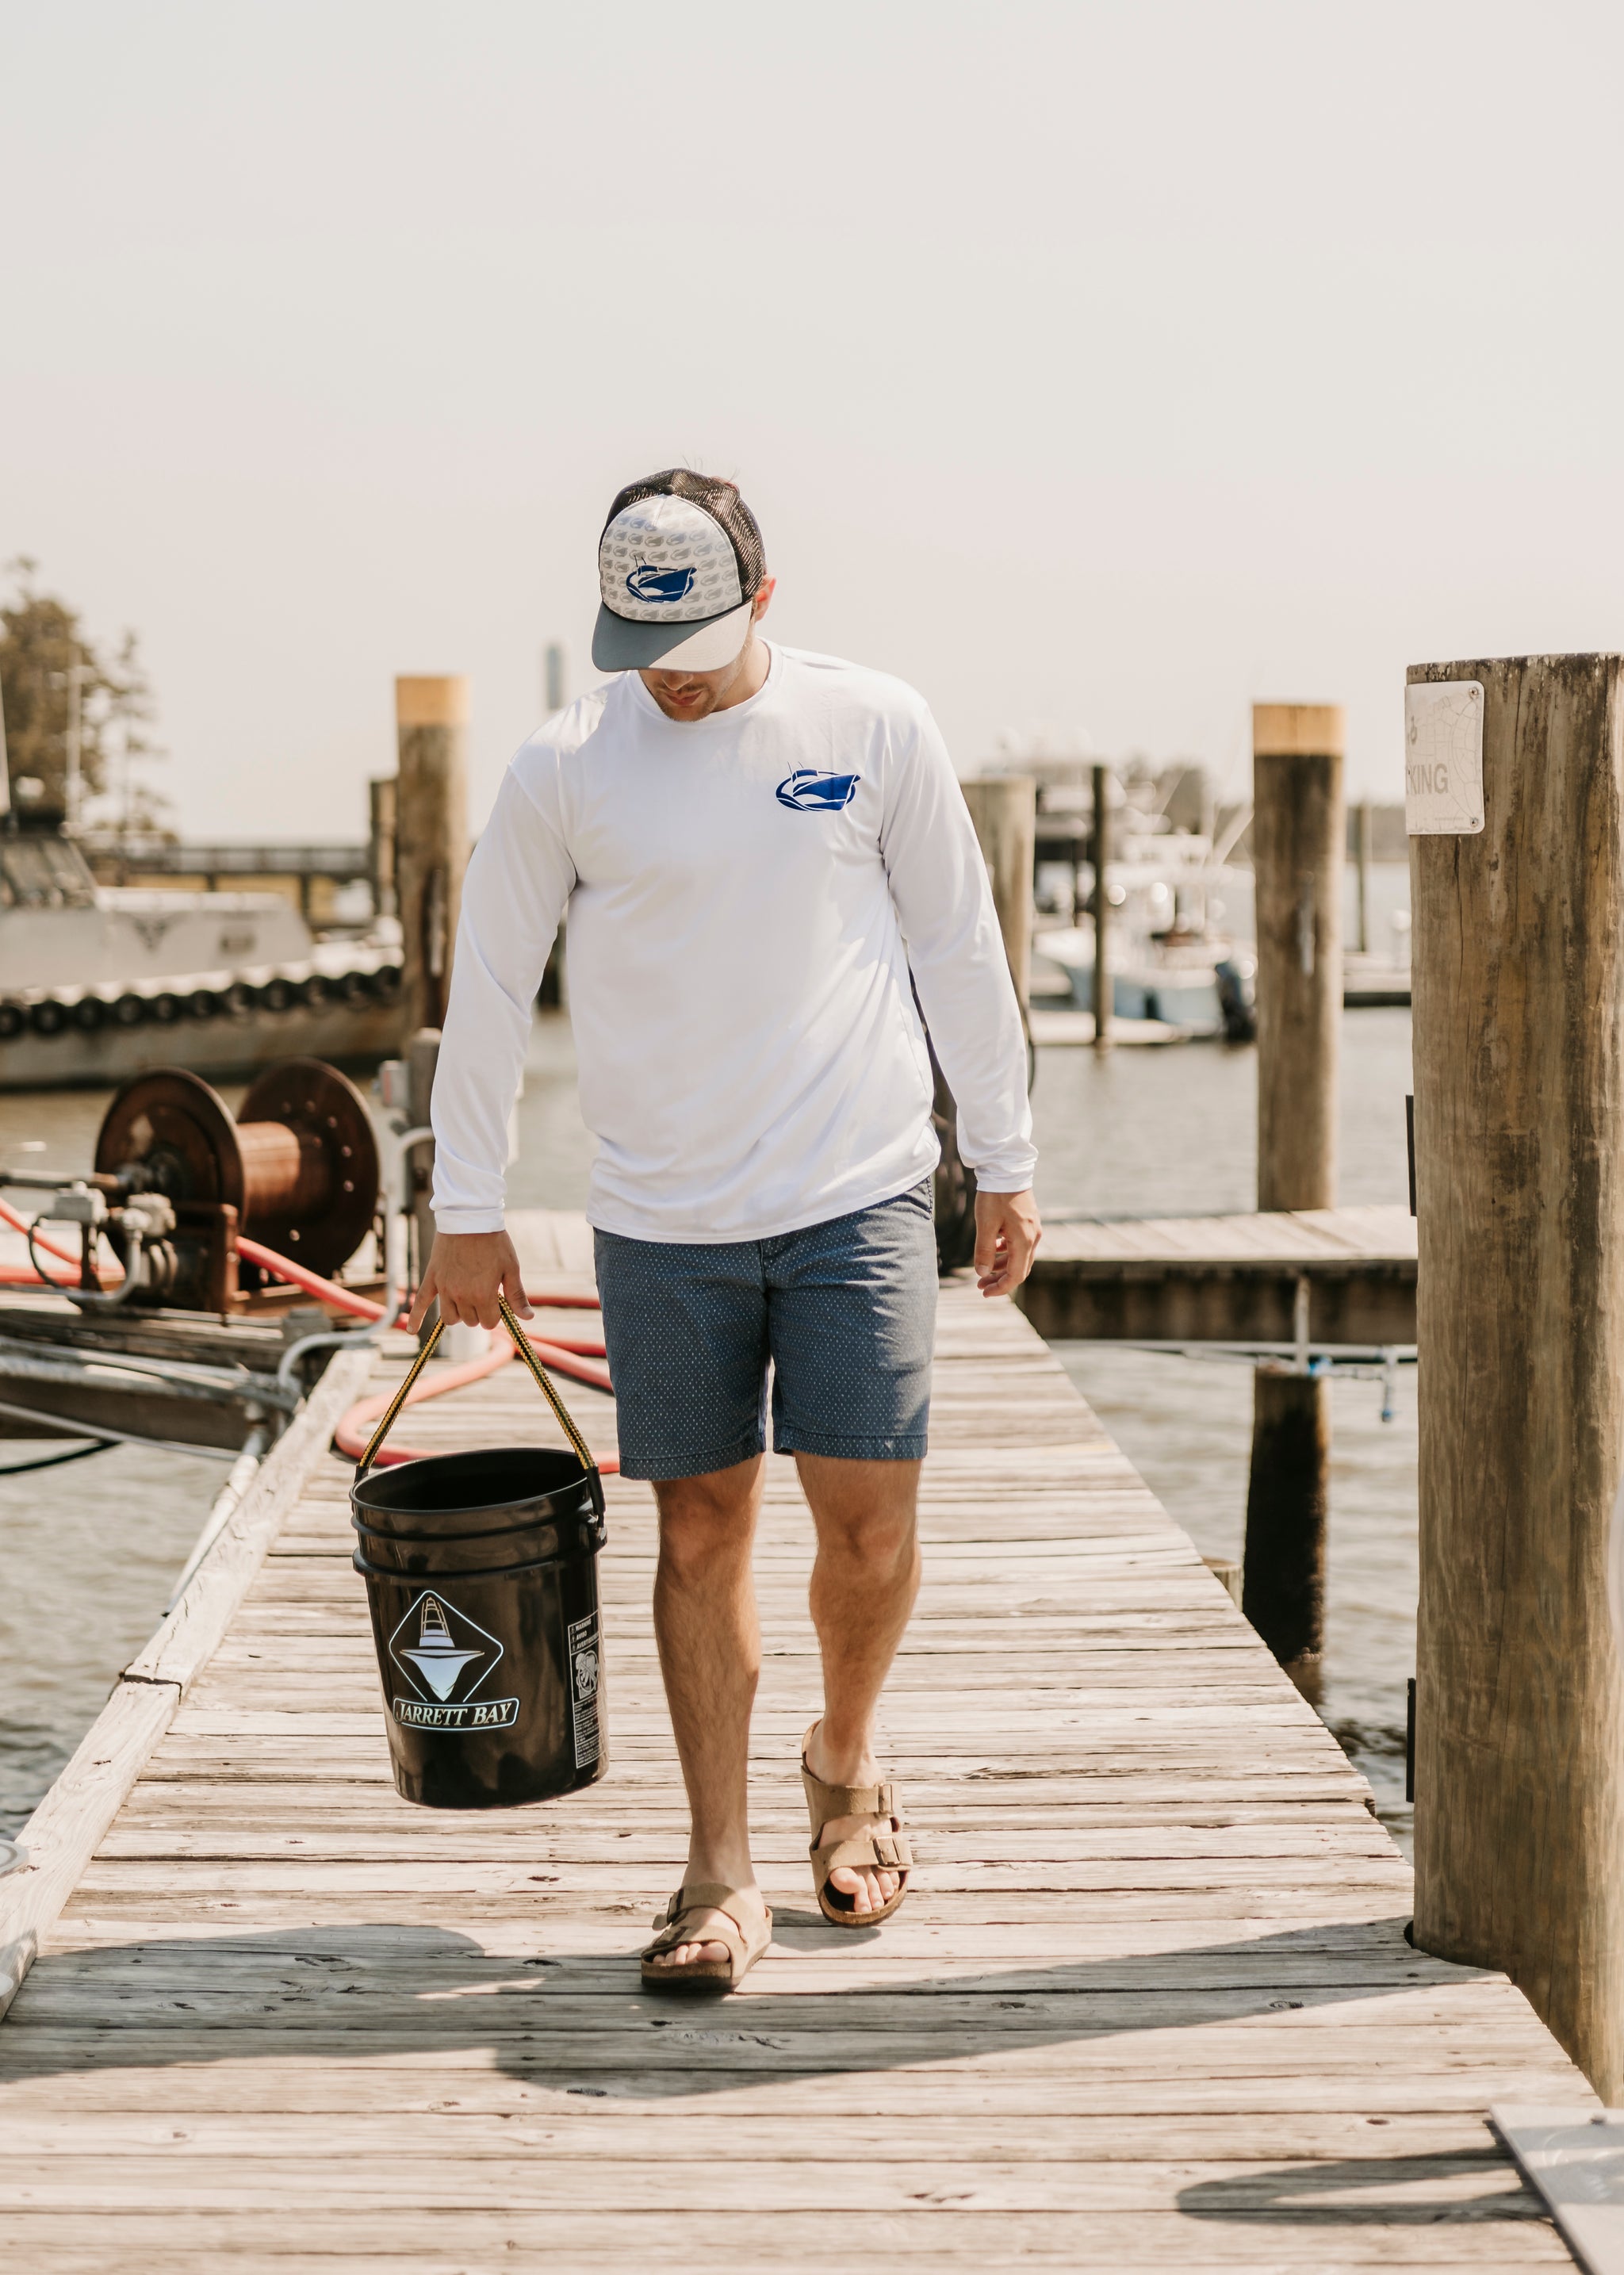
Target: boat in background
x=99, y=982
x=1202, y=987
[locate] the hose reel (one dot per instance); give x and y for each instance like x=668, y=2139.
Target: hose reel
x=297, y=1170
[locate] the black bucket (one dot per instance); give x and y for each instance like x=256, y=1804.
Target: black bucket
x=482, y=1581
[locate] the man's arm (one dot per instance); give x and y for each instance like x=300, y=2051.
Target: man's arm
x=939, y=884
x=518, y=884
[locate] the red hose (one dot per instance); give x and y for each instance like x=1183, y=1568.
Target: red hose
x=563, y=1358
x=346, y=1299
x=341, y=1299
x=355, y=1429
x=21, y=1224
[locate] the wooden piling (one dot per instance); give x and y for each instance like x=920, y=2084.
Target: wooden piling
x=1004, y=809
x=431, y=842
x=1102, y=911
x=1299, y=835
x=1519, y=1071
x=381, y=844
x=1362, y=858
x=422, y=1058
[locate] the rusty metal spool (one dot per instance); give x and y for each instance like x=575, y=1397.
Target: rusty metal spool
x=299, y=1164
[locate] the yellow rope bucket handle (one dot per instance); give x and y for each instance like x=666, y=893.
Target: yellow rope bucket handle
x=544, y=1383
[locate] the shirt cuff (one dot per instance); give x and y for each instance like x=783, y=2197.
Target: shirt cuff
x=1010, y=1170
x=469, y=1220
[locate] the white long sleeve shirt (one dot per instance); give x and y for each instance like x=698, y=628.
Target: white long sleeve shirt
x=746, y=895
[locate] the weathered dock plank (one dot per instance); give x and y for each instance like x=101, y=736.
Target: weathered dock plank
x=1151, y=2004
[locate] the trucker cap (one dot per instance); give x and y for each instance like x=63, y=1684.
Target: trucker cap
x=679, y=564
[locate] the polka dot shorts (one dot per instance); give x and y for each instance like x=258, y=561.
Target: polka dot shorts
x=839, y=1317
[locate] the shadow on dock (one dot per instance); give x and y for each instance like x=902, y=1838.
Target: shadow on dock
x=584, y=2017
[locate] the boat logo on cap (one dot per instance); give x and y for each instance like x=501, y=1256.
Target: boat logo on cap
x=647, y=583
x=807, y=792
x=445, y=1656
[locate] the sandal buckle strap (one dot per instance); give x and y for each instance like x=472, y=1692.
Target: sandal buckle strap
x=705, y=1895
x=863, y=1851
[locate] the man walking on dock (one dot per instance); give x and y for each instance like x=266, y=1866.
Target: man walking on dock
x=764, y=853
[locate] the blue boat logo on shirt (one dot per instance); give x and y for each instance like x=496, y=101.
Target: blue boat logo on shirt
x=647, y=583
x=807, y=792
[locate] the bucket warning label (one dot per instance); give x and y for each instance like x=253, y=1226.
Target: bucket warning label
x=476, y=1714
x=582, y=1638
x=446, y=1656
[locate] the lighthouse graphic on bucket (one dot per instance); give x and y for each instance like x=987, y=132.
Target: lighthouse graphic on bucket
x=436, y=1658
x=446, y=1656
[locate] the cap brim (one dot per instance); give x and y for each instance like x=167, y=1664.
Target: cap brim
x=619, y=644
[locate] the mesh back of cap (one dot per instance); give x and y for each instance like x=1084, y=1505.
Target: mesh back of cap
x=721, y=501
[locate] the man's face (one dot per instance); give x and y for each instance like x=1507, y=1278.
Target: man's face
x=696, y=694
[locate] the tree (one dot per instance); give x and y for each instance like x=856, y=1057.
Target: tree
x=43, y=651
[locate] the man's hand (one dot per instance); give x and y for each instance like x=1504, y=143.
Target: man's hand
x=468, y=1271
x=1008, y=1231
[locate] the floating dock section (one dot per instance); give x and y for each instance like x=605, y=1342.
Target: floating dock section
x=1151, y=2004
x=1228, y=1279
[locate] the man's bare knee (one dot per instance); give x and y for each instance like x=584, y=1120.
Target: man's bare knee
x=866, y=1512
x=705, y=1519
x=872, y=1547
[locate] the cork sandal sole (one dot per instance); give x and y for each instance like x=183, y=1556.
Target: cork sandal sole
x=877, y=1849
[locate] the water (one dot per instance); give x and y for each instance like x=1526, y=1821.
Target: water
x=92, y=1552
x=93, y=1549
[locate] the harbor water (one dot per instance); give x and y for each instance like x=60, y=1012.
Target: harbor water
x=93, y=1550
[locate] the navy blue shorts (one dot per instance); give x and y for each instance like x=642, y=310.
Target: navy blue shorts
x=845, y=1313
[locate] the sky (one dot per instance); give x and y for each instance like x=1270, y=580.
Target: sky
x=1099, y=368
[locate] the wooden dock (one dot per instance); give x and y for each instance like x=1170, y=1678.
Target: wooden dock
x=1228, y=1278
x=1151, y=2005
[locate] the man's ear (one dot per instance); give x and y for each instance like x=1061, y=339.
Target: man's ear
x=764, y=594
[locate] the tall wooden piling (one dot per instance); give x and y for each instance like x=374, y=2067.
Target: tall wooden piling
x=1519, y=1078
x=1004, y=809
x=1299, y=836
x=431, y=838
x=381, y=844
x=1102, y=911
x=422, y=1058
x=1363, y=821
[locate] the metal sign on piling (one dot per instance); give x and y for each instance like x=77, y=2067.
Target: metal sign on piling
x=1514, y=773
x=1298, y=849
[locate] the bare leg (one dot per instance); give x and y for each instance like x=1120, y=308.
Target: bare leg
x=710, y=1655
x=864, y=1584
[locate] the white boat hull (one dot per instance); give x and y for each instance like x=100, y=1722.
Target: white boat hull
x=101, y=984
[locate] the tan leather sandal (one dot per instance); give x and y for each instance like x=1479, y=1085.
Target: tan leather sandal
x=745, y=1942
x=876, y=1849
